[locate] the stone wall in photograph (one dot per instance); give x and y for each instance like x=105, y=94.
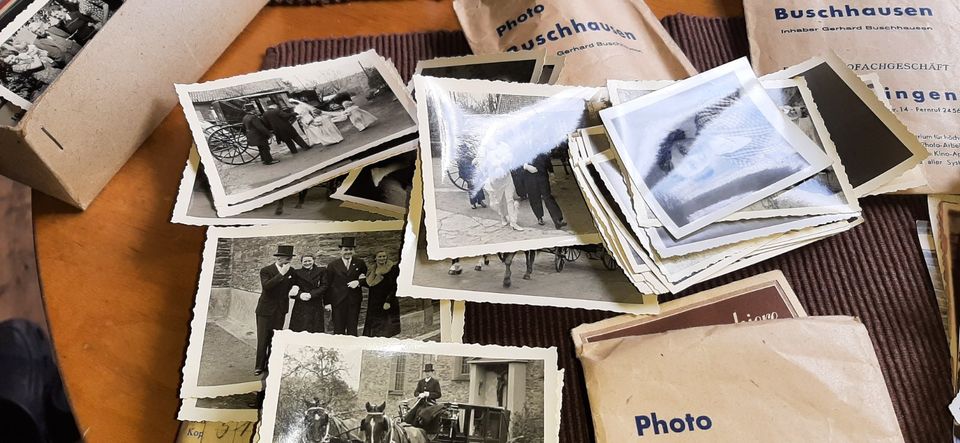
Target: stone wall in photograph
x=378, y=378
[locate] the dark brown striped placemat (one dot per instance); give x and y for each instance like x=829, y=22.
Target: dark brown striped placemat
x=875, y=272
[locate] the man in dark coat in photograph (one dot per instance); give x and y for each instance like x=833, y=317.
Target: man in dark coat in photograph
x=257, y=132
x=342, y=288
x=307, y=313
x=536, y=179
x=279, y=120
x=276, y=281
x=423, y=414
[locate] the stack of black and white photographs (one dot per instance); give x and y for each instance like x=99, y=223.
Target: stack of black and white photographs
x=335, y=278
x=498, y=196
x=516, y=67
x=878, y=151
x=694, y=179
x=335, y=388
x=381, y=188
x=39, y=38
x=271, y=134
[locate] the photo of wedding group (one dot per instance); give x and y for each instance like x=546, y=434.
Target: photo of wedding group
x=337, y=278
x=261, y=131
x=38, y=40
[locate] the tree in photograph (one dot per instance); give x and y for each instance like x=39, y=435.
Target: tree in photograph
x=314, y=375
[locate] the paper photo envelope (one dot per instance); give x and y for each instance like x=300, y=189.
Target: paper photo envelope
x=803, y=379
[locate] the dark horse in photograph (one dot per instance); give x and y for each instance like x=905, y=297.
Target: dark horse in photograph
x=377, y=427
x=319, y=426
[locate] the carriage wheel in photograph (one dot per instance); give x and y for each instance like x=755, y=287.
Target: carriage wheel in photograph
x=608, y=261
x=454, y=177
x=228, y=144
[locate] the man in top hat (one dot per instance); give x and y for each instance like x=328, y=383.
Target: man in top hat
x=428, y=387
x=276, y=283
x=536, y=178
x=424, y=412
x=258, y=134
x=342, y=288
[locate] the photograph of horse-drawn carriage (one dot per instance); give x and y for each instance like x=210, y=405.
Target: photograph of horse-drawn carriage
x=260, y=131
x=374, y=396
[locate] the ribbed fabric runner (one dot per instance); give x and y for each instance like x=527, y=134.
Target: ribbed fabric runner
x=875, y=272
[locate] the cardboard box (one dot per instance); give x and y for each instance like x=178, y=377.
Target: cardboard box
x=112, y=96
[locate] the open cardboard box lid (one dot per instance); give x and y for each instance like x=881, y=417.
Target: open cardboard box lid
x=86, y=125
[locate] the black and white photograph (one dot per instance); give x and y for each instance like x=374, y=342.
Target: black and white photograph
x=702, y=149
x=584, y=276
x=314, y=204
x=381, y=188
x=39, y=39
x=229, y=408
x=517, y=67
x=339, y=278
x=496, y=177
x=874, y=146
x=334, y=388
x=552, y=66
x=311, y=201
x=622, y=91
x=258, y=132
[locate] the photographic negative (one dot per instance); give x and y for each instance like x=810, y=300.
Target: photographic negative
x=331, y=277
x=704, y=148
x=39, y=39
x=574, y=277
x=314, y=204
x=494, y=157
x=382, y=188
x=517, y=67
x=872, y=143
x=377, y=390
x=260, y=131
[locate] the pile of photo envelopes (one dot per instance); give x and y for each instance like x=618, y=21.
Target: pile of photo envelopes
x=673, y=183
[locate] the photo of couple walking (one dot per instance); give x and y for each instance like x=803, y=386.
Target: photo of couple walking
x=336, y=287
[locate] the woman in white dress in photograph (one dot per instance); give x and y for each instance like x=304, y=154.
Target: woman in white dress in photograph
x=502, y=196
x=318, y=127
x=361, y=119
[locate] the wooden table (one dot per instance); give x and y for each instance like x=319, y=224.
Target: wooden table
x=120, y=279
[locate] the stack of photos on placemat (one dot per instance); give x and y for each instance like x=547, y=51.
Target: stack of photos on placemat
x=304, y=175
x=690, y=180
x=496, y=214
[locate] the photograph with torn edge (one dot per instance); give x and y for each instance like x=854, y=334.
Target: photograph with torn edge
x=341, y=168
x=332, y=277
x=39, y=39
x=874, y=146
x=381, y=188
x=378, y=390
x=495, y=172
x=517, y=67
x=229, y=408
x=704, y=148
x=314, y=204
x=260, y=131
x=552, y=66
x=570, y=276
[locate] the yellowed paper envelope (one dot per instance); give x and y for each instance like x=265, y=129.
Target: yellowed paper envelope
x=803, y=379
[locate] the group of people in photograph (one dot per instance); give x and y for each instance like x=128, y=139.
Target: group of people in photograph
x=336, y=287
x=39, y=50
x=530, y=182
x=300, y=125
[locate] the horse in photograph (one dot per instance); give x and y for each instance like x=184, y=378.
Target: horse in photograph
x=377, y=427
x=320, y=426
